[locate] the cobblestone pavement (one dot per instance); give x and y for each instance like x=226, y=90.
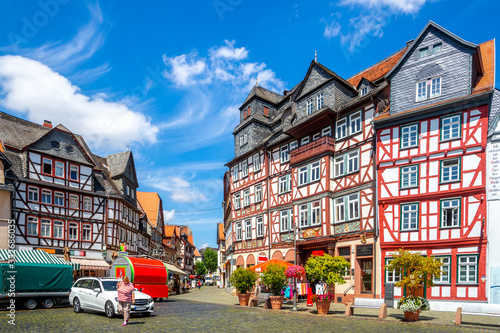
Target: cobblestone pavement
x=181, y=313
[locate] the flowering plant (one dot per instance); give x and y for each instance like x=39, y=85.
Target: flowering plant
x=413, y=304
x=323, y=298
x=294, y=271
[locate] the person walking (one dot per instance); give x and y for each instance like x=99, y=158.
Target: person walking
x=126, y=297
x=199, y=284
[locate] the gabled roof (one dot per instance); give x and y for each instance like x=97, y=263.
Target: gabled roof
x=378, y=70
x=196, y=252
x=169, y=230
x=118, y=164
x=333, y=76
x=18, y=133
x=265, y=94
x=220, y=232
x=150, y=202
x=428, y=26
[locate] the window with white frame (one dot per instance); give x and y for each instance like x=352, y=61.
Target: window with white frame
x=246, y=197
x=304, y=141
x=450, y=170
x=245, y=138
x=260, y=226
x=391, y=276
x=256, y=162
x=436, y=48
x=45, y=228
x=450, y=127
x=258, y=193
x=237, y=201
x=47, y=166
x=32, y=226
x=423, y=52
x=327, y=131
x=355, y=123
x=428, y=89
x=319, y=100
x=315, y=171
x=248, y=229
x=450, y=213
x=73, y=231
x=47, y=197
x=409, y=176
x=435, y=87
x=467, y=268
x=341, y=128
x=73, y=172
x=128, y=190
x=87, y=204
x=33, y=194
x=86, y=232
x=315, y=213
x=303, y=215
x=58, y=229
x=445, y=270
x=302, y=175
x=409, y=136
x=293, y=145
x=346, y=208
x=285, y=155
x=285, y=220
x=346, y=163
x=235, y=173
x=316, y=136
x=409, y=217
x=363, y=91
x=59, y=199
x=284, y=184
x=421, y=90
x=309, y=106
x=244, y=169
x=241, y=140
x=59, y=169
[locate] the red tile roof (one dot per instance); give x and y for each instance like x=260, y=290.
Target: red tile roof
x=221, y=231
x=169, y=230
x=196, y=253
x=378, y=70
x=150, y=202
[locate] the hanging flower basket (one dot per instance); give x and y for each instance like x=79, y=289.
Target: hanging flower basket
x=295, y=271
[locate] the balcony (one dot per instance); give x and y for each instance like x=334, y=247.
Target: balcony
x=321, y=146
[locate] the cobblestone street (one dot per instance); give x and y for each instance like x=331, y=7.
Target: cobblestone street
x=192, y=312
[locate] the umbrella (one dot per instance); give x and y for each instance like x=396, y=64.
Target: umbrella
x=262, y=266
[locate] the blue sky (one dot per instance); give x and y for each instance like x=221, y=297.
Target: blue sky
x=166, y=78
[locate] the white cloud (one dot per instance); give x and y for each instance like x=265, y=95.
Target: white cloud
x=184, y=69
x=32, y=88
x=228, y=51
x=370, y=21
x=168, y=215
x=204, y=246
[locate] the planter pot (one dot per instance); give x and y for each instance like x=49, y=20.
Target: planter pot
x=244, y=298
x=412, y=316
x=323, y=307
x=276, y=302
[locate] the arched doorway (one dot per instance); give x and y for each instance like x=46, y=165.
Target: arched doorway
x=278, y=255
x=250, y=261
x=289, y=256
x=240, y=262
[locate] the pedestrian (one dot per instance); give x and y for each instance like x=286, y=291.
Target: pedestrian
x=126, y=297
x=199, y=284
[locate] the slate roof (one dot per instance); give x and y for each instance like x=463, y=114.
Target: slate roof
x=18, y=133
x=150, y=202
x=263, y=93
x=117, y=163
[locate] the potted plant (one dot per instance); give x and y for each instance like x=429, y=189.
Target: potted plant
x=274, y=278
x=244, y=281
x=329, y=270
x=415, y=270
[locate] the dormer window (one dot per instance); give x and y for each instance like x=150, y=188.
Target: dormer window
x=319, y=100
x=363, y=91
x=309, y=106
x=436, y=48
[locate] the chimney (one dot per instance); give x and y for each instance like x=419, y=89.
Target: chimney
x=47, y=123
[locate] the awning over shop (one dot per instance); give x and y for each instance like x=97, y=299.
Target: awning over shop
x=35, y=256
x=96, y=264
x=174, y=270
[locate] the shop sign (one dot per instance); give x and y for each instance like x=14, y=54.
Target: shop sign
x=77, y=253
x=364, y=250
x=262, y=258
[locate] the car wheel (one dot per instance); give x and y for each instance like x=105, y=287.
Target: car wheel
x=31, y=304
x=146, y=314
x=77, y=306
x=48, y=303
x=109, y=309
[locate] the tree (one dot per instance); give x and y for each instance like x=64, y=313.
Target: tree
x=201, y=270
x=415, y=269
x=274, y=277
x=210, y=260
x=243, y=279
x=327, y=268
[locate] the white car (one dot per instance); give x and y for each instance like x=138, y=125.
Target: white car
x=99, y=294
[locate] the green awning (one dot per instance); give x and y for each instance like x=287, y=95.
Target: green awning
x=35, y=256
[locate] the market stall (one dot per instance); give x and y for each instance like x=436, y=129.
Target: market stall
x=149, y=276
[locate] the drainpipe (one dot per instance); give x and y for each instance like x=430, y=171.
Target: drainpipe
x=267, y=154
x=375, y=217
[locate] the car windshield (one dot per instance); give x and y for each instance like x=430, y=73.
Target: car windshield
x=109, y=285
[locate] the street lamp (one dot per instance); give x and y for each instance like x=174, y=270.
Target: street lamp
x=295, y=263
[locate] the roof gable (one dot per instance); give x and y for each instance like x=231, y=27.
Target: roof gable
x=263, y=93
x=430, y=25
x=122, y=164
x=150, y=203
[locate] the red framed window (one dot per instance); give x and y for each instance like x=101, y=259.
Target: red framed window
x=59, y=169
x=58, y=229
x=46, y=228
x=33, y=193
x=74, y=202
x=87, y=204
x=74, y=171
x=32, y=226
x=47, y=197
x=47, y=166
x=73, y=231
x=86, y=232
x=59, y=199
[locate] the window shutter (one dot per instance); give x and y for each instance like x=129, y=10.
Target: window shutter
x=248, y=111
x=266, y=111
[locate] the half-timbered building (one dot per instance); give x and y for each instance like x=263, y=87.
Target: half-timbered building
x=57, y=201
x=431, y=162
x=7, y=228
